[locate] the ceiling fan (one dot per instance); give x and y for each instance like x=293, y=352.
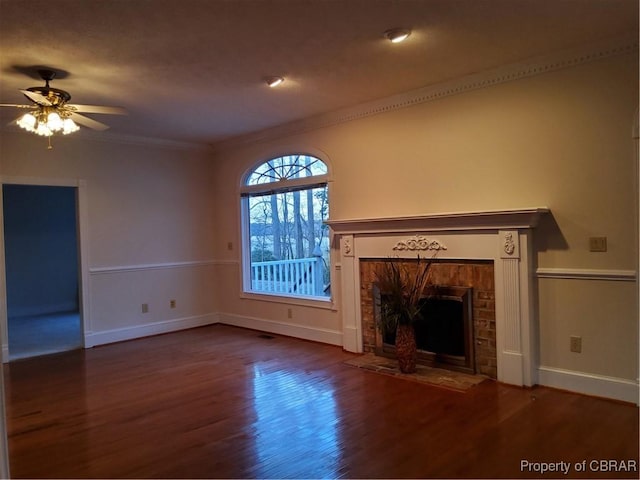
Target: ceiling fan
x=50, y=113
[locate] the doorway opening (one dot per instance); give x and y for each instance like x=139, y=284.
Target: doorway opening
x=42, y=269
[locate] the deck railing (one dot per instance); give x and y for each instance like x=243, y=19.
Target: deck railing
x=302, y=276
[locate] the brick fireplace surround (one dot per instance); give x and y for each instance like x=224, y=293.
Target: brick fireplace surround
x=470, y=247
x=475, y=274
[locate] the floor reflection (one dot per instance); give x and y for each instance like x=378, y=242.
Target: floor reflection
x=296, y=419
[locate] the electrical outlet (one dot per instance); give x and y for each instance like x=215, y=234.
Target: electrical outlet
x=597, y=244
x=172, y=303
x=145, y=308
x=289, y=313
x=575, y=344
x=229, y=245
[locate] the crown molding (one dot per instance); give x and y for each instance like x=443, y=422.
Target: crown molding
x=122, y=139
x=488, y=78
x=526, y=68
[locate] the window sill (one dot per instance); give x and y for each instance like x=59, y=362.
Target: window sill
x=312, y=302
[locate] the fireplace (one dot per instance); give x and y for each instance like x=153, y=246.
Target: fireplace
x=465, y=286
x=489, y=252
x=444, y=329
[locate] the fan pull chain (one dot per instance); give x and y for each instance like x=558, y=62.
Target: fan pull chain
x=49, y=147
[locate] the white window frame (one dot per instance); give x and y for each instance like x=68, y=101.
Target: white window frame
x=246, y=191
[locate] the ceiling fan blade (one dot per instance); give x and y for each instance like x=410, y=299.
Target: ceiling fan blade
x=37, y=97
x=99, y=109
x=15, y=105
x=88, y=122
x=14, y=121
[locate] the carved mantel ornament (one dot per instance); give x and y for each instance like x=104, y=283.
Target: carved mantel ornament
x=509, y=244
x=419, y=242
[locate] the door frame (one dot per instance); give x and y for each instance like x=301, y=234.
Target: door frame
x=82, y=216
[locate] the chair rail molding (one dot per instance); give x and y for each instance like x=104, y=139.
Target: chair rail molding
x=587, y=274
x=149, y=266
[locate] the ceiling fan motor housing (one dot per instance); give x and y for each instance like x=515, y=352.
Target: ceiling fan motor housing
x=56, y=96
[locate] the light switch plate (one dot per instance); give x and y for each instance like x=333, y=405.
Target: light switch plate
x=597, y=244
x=575, y=344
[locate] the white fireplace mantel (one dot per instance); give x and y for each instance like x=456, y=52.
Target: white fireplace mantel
x=502, y=236
x=490, y=219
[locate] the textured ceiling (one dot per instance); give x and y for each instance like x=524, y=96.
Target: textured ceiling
x=192, y=70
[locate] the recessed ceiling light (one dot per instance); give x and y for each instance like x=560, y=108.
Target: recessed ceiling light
x=397, y=35
x=274, y=81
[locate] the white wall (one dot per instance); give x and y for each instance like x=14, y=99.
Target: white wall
x=560, y=139
x=150, y=228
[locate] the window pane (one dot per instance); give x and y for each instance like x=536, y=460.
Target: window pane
x=289, y=242
x=287, y=168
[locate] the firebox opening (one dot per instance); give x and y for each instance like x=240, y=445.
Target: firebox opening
x=441, y=328
x=444, y=333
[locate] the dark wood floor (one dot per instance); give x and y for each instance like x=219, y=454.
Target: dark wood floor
x=220, y=401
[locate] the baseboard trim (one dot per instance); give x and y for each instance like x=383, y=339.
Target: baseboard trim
x=321, y=335
x=139, y=331
x=580, y=382
x=590, y=384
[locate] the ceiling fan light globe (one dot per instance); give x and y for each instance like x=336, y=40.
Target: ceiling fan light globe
x=54, y=122
x=43, y=130
x=27, y=121
x=69, y=126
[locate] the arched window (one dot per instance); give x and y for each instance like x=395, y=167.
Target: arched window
x=285, y=240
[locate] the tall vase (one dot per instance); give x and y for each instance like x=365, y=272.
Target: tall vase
x=406, y=348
